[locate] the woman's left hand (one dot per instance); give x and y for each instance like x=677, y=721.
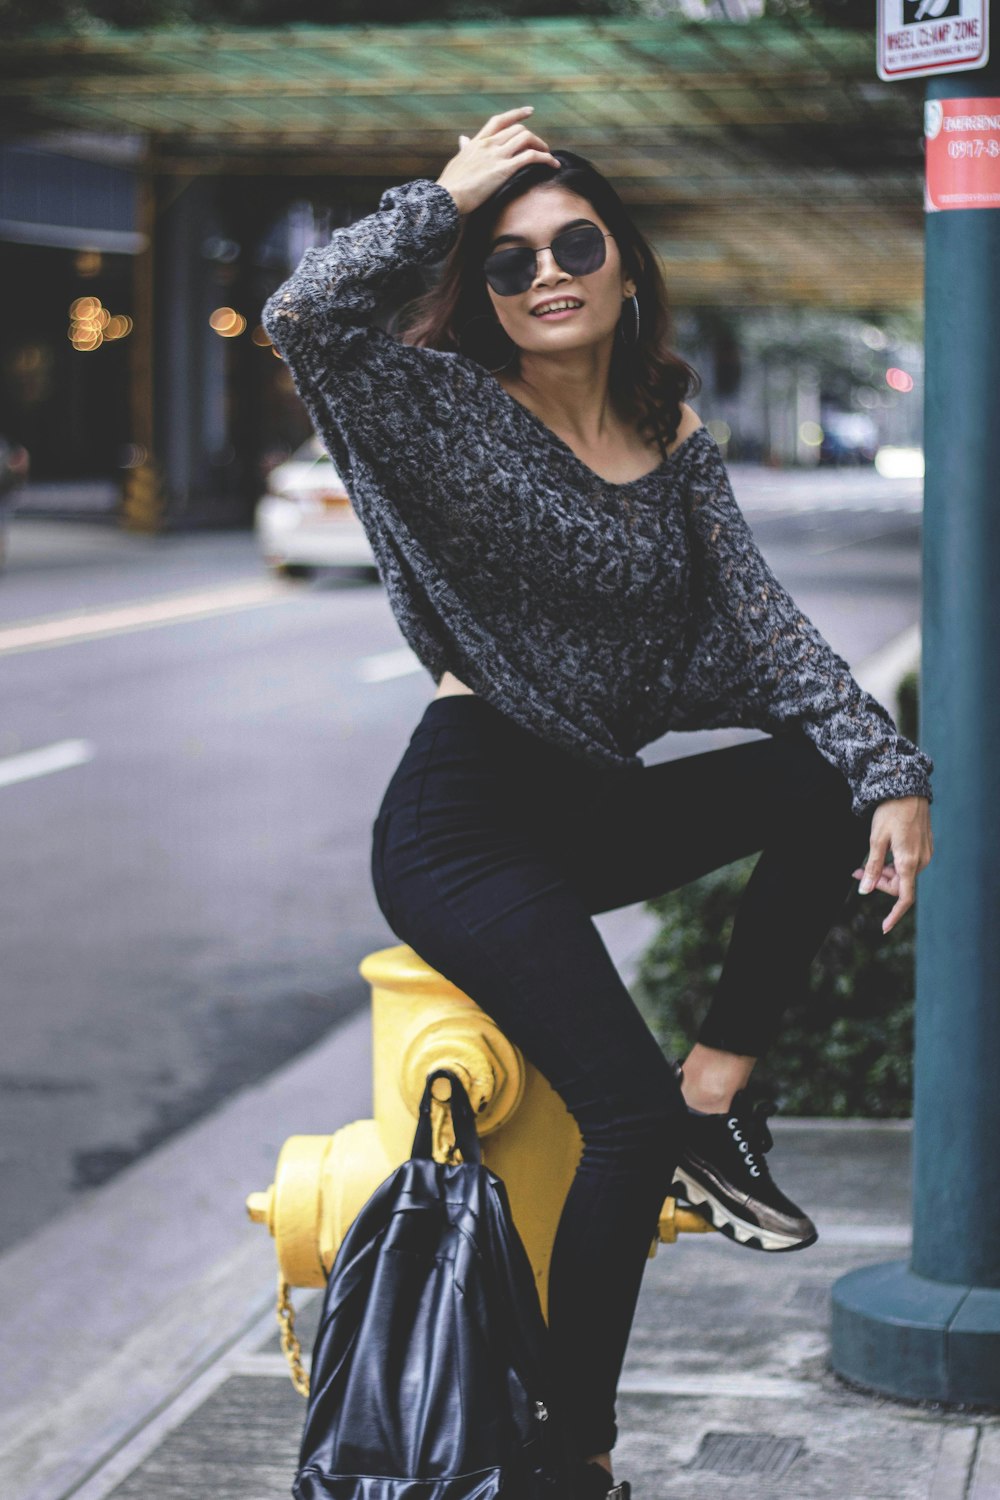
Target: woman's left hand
x=902, y=825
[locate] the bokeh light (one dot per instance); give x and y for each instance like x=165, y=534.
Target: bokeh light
x=91, y=324
x=227, y=322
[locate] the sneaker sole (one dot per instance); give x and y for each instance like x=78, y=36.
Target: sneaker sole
x=741, y=1231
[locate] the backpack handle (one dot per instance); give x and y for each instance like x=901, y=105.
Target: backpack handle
x=462, y=1118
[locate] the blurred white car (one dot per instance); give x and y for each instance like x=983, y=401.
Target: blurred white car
x=306, y=521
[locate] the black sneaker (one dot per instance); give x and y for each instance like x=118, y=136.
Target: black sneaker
x=722, y=1174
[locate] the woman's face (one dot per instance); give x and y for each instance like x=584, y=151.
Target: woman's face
x=535, y=219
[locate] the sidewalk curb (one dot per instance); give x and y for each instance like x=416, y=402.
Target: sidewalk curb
x=108, y=1312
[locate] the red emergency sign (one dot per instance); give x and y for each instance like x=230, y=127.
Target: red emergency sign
x=962, y=157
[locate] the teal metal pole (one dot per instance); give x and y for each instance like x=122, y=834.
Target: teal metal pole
x=930, y=1327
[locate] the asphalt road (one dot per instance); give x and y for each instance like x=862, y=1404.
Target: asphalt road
x=186, y=797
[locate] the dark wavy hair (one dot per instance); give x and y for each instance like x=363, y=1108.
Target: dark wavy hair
x=647, y=380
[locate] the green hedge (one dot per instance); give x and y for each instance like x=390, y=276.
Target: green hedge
x=907, y=711
x=844, y=1049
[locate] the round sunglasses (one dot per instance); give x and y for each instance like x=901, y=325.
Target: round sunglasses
x=578, y=251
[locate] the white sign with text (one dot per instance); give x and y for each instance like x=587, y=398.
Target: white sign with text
x=917, y=38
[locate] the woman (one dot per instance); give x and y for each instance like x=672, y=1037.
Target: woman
x=561, y=547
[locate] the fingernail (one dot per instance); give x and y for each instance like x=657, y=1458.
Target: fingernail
x=865, y=886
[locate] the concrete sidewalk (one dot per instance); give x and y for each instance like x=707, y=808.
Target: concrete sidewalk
x=726, y=1380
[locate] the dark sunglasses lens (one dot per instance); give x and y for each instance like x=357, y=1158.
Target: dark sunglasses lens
x=510, y=271
x=580, y=251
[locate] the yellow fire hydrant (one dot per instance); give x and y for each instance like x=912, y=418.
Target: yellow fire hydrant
x=420, y=1022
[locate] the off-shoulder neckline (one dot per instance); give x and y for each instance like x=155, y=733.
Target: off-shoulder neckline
x=665, y=463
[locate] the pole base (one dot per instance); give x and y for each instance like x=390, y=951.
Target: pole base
x=896, y=1332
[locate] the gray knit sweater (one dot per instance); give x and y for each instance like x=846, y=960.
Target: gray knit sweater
x=596, y=615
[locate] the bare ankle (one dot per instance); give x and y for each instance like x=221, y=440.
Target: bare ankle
x=604, y=1459
x=712, y=1077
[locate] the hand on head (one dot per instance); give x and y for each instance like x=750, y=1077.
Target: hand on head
x=486, y=160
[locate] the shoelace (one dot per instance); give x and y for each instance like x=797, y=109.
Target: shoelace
x=751, y=1133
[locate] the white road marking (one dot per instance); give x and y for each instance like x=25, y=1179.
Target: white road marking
x=57, y=757
x=854, y=541
x=387, y=664
x=60, y=630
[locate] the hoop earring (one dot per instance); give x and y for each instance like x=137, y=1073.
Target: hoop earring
x=634, y=337
x=488, y=353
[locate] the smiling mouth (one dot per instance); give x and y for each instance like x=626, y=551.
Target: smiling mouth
x=559, y=311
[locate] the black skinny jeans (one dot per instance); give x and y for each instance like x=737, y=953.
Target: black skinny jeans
x=491, y=851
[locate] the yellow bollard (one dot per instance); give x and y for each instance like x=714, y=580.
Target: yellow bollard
x=528, y=1137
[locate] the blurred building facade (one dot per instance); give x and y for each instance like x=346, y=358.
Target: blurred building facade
x=157, y=186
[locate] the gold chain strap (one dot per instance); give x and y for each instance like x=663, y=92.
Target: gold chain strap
x=290, y=1346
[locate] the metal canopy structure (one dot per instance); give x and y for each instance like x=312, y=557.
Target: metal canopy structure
x=765, y=160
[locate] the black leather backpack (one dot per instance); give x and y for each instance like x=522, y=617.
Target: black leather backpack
x=430, y=1375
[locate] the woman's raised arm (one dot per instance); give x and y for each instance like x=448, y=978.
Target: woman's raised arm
x=756, y=661
x=320, y=319
x=322, y=314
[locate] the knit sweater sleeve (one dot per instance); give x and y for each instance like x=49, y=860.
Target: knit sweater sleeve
x=367, y=392
x=754, y=660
